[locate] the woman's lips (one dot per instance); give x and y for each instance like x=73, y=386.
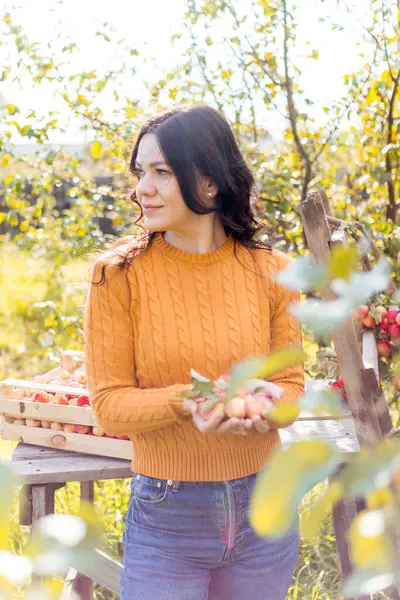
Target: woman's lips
x=151, y=208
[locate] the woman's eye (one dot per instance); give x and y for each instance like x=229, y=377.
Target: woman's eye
x=162, y=172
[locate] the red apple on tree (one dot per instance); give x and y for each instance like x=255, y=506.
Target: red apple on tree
x=383, y=348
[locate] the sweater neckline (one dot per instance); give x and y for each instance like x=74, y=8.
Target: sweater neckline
x=194, y=258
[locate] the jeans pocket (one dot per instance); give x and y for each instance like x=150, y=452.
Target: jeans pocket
x=149, y=490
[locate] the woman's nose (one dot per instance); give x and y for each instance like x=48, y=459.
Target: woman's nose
x=145, y=187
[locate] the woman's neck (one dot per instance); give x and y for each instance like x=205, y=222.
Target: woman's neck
x=200, y=242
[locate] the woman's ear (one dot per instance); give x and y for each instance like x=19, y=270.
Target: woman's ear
x=211, y=189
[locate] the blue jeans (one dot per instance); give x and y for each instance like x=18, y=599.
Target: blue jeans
x=193, y=541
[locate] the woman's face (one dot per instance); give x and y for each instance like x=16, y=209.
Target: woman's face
x=157, y=186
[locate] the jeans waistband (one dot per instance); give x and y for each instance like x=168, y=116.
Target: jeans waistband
x=177, y=485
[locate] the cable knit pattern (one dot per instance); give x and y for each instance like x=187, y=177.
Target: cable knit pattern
x=170, y=311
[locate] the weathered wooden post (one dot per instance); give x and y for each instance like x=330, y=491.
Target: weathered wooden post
x=358, y=369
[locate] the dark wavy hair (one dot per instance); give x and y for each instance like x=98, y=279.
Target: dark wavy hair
x=196, y=139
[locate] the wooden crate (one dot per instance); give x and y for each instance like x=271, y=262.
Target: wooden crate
x=14, y=405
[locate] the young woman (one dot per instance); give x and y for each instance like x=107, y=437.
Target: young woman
x=199, y=293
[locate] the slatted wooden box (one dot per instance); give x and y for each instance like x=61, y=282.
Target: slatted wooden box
x=14, y=404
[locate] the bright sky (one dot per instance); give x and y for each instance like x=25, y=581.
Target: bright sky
x=148, y=26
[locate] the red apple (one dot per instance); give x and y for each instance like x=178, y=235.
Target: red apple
x=340, y=382
x=83, y=400
x=41, y=397
x=19, y=422
x=369, y=322
x=82, y=429
x=383, y=348
x=392, y=315
x=398, y=319
x=361, y=311
x=394, y=330
x=126, y=437
x=384, y=324
x=396, y=340
x=45, y=424
x=63, y=400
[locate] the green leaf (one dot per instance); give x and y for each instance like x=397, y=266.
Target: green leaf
x=303, y=274
x=202, y=385
x=281, y=486
x=261, y=367
x=321, y=401
x=361, y=287
x=320, y=315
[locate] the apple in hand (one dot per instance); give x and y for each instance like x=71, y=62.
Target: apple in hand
x=236, y=407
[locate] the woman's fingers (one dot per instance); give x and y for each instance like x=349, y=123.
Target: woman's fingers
x=233, y=425
x=260, y=424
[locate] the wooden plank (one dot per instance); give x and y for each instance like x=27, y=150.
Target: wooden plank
x=103, y=570
x=339, y=434
x=371, y=381
x=344, y=337
x=23, y=384
x=68, y=592
x=79, y=415
x=86, y=444
x=62, y=466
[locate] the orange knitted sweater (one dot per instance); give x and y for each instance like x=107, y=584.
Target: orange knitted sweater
x=169, y=311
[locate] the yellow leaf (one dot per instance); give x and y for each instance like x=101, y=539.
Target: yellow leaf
x=5, y=160
x=379, y=498
x=96, y=150
x=8, y=180
x=369, y=545
x=281, y=486
x=257, y=367
x=318, y=511
x=343, y=262
x=283, y=413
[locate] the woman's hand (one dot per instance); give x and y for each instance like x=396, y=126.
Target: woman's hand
x=214, y=424
x=270, y=389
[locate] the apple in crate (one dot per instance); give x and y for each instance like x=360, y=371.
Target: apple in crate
x=32, y=422
x=19, y=422
x=41, y=397
x=79, y=376
x=69, y=427
x=123, y=437
x=61, y=399
x=82, y=429
x=98, y=431
x=56, y=426
x=45, y=424
x=83, y=401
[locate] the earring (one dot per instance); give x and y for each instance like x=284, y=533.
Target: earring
x=209, y=194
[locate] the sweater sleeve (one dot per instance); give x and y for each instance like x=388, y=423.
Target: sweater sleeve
x=120, y=406
x=286, y=331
